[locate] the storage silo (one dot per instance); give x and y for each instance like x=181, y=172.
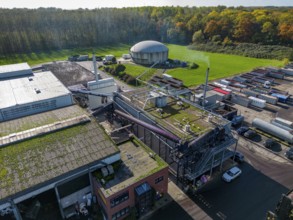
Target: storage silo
x=149, y=52
x=273, y=129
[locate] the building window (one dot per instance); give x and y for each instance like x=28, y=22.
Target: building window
x=120, y=213
x=159, y=179
x=119, y=199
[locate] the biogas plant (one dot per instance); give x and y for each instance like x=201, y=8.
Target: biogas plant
x=118, y=149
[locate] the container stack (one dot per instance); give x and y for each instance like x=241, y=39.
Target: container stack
x=260, y=103
x=269, y=99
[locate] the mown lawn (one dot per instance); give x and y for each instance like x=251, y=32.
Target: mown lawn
x=135, y=70
x=49, y=56
x=221, y=65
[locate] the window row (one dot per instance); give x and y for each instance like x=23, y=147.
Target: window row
x=159, y=179
x=120, y=213
x=119, y=199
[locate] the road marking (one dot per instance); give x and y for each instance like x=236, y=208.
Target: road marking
x=221, y=215
x=203, y=201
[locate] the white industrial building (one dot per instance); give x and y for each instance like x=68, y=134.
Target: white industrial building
x=149, y=52
x=14, y=70
x=25, y=93
x=47, y=144
x=103, y=86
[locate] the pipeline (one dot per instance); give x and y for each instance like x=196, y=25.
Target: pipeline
x=90, y=92
x=159, y=131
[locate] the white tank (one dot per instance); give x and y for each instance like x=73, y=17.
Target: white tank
x=273, y=129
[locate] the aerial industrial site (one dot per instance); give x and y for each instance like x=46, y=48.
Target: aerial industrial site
x=76, y=142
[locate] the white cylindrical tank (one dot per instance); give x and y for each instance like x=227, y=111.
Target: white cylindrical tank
x=273, y=129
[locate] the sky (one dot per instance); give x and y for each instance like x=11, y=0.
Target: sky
x=90, y=4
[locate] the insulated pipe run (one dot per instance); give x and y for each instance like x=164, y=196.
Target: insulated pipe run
x=158, y=131
x=90, y=92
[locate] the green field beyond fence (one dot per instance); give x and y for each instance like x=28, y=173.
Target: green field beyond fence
x=221, y=65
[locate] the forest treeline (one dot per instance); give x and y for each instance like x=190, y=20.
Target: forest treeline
x=33, y=30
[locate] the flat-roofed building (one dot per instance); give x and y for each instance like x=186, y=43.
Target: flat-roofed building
x=192, y=140
x=15, y=70
x=47, y=151
x=140, y=179
x=30, y=94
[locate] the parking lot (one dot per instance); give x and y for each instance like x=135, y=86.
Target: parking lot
x=265, y=177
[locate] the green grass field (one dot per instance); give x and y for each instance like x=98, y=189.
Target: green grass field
x=135, y=70
x=43, y=57
x=221, y=65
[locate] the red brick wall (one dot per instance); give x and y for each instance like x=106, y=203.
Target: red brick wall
x=161, y=187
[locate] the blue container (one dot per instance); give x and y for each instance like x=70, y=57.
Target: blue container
x=281, y=97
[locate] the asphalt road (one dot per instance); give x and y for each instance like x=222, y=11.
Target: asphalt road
x=170, y=212
x=264, y=179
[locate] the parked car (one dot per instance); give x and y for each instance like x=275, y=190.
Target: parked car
x=109, y=59
x=231, y=174
x=242, y=130
x=249, y=134
x=239, y=157
x=98, y=58
x=289, y=153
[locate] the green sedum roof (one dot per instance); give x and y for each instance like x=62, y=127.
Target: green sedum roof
x=37, y=160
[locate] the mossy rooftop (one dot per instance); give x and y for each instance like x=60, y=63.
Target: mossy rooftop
x=174, y=117
x=136, y=165
x=50, y=155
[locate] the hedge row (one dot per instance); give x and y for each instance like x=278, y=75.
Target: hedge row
x=118, y=71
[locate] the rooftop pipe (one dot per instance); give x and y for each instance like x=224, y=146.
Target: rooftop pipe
x=157, y=130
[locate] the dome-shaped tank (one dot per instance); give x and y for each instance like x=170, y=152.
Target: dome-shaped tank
x=149, y=52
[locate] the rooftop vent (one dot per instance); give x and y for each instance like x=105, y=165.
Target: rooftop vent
x=110, y=169
x=30, y=79
x=37, y=91
x=152, y=155
x=186, y=128
x=104, y=171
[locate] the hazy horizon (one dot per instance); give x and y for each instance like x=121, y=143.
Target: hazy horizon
x=65, y=4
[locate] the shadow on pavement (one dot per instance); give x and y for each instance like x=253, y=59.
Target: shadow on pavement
x=173, y=211
x=249, y=196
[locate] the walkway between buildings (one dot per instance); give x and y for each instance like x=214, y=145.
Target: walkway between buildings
x=177, y=195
